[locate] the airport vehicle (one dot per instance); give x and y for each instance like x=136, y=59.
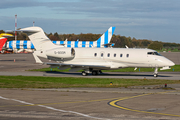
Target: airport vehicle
x=103, y=41
x=3, y=39
x=93, y=60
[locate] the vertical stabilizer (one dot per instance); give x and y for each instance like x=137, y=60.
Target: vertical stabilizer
x=106, y=37
x=40, y=41
x=3, y=39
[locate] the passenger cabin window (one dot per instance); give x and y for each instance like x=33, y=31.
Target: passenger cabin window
x=121, y=55
x=95, y=54
x=154, y=53
x=108, y=55
x=114, y=55
x=127, y=55
x=101, y=54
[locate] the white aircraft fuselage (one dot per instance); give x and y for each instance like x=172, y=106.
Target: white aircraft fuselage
x=111, y=57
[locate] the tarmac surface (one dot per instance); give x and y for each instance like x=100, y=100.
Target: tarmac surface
x=133, y=103
x=89, y=103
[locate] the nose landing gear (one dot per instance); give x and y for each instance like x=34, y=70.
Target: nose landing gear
x=156, y=72
x=155, y=75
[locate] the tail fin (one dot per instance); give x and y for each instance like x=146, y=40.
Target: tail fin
x=38, y=38
x=3, y=39
x=106, y=37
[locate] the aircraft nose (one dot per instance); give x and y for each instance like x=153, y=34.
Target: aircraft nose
x=171, y=63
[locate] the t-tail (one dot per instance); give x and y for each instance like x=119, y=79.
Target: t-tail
x=3, y=39
x=44, y=46
x=37, y=36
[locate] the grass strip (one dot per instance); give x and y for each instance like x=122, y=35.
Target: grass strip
x=70, y=82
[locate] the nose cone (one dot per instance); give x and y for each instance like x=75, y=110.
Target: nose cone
x=170, y=63
x=166, y=62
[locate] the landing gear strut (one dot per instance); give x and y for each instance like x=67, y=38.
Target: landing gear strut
x=156, y=72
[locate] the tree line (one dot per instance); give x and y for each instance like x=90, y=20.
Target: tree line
x=118, y=40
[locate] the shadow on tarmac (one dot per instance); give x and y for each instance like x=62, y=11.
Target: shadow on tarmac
x=109, y=74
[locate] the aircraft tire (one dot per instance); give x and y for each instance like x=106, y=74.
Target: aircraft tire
x=94, y=73
x=100, y=71
x=84, y=73
x=155, y=75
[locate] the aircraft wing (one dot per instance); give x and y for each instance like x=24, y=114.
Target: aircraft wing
x=86, y=65
x=74, y=65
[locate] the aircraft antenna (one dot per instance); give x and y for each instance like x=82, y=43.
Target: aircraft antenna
x=33, y=23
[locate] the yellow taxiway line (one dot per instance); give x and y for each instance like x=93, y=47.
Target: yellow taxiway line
x=114, y=104
x=64, y=102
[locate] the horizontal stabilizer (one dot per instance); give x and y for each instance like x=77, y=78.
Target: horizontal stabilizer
x=108, y=44
x=27, y=31
x=5, y=35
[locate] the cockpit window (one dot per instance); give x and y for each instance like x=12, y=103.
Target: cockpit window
x=153, y=53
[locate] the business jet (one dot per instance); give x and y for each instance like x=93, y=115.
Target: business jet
x=3, y=39
x=103, y=41
x=93, y=60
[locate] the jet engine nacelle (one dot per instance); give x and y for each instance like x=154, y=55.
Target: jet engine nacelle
x=60, y=54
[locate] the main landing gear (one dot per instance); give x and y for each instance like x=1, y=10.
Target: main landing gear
x=84, y=73
x=156, y=72
x=94, y=72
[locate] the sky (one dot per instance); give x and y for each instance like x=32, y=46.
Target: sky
x=157, y=20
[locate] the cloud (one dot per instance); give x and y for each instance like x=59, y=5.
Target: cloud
x=116, y=8
x=5, y=4
x=151, y=19
x=104, y=9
